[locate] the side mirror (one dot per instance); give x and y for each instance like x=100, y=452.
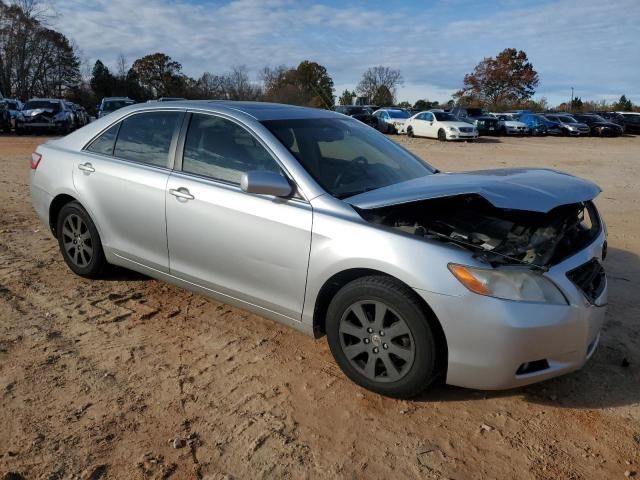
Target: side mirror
x=265, y=183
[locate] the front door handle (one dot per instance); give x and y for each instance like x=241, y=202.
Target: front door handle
x=181, y=193
x=86, y=167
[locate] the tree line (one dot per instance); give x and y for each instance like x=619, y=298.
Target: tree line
x=37, y=61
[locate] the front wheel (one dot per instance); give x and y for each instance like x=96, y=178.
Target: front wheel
x=379, y=335
x=410, y=132
x=442, y=136
x=79, y=241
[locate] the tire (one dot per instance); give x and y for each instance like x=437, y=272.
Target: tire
x=79, y=241
x=371, y=358
x=442, y=136
x=410, y=132
x=391, y=130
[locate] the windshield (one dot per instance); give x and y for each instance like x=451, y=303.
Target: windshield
x=356, y=110
x=631, y=117
x=13, y=105
x=398, y=113
x=565, y=119
x=474, y=112
x=597, y=118
x=55, y=106
x=444, y=117
x=347, y=157
x=113, y=105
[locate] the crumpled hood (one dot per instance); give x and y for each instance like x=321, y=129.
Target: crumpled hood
x=536, y=190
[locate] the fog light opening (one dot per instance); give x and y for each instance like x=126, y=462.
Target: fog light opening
x=532, y=367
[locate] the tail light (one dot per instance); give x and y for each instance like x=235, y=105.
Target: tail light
x=35, y=160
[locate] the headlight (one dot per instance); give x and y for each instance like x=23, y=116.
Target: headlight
x=519, y=285
x=452, y=129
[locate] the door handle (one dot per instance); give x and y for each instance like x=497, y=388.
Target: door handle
x=86, y=167
x=181, y=193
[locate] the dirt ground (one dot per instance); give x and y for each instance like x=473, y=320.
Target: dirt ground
x=98, y=377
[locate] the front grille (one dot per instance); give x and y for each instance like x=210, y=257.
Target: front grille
x=589, y=278
x=466, y=129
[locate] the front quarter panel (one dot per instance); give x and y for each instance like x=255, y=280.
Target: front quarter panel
x=342, y=240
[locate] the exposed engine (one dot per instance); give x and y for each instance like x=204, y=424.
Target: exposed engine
x=499, y=236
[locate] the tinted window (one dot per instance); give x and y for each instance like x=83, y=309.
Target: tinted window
x=444, y=117
x=113, y=105
x=398, y=114
x=345, y=156
x=428, y=117
x=105, y=142
x=146, y=137
x=35, y=104
x=221, y=149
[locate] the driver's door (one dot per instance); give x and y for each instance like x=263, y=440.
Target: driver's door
x=430, y=125
x=253, y=248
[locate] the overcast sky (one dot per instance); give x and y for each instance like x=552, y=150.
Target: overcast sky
x=592, y=45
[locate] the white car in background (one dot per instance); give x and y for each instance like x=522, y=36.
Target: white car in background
x=508, y=125
x=392, y=120
x=440, y=125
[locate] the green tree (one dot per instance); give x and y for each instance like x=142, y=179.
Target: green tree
x=499, y=82
x=308, y=84
x=624, y=104
x=102, y=81
x=424, y=105
x=404, y=104
x=346, y=98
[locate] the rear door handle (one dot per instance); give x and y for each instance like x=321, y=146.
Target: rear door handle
x=181, y=193
x=86, y=167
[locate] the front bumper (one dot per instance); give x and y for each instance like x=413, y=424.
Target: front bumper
x=492, y=343
x=461, y=135
x=516, y=130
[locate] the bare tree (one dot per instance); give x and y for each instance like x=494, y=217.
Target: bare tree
x=122, y=66
x=237, y=85
x=379, y=84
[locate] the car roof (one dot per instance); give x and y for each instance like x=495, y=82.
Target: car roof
x=260, y=111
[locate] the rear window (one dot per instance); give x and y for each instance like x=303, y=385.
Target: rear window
x=104, y=143
x=35, y=104
x=146, y=137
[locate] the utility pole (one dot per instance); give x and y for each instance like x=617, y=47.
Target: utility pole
x=571, y=104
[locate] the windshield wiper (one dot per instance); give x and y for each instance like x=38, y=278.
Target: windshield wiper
x=343, y=195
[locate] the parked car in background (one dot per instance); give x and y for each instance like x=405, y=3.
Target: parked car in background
x=170, y=99
x=488, y=280
x=537, y=124
x=485, y=123
x=391, y=120
x=598, y=125
x=111, y=104
x=631, y=121
x=5, y=116
x=440, y=125
x=15, y=106
x=364, y=114
x=73, y=109
x=508, y=125
x=569, y=125
x=83, y=115
x=48, y=114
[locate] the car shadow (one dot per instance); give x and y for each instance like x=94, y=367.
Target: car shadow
x=121, y=274
x=611, y=378
x=488, y=140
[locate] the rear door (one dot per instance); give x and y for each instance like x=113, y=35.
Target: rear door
x=253, y=248
x=121, y=177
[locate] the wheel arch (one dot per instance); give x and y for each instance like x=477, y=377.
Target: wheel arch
x=342, y=278
x=56, y=205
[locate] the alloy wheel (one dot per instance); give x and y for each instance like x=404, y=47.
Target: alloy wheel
x=77, y=241
x=376, y=341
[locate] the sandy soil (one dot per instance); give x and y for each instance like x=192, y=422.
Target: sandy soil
x=98, y=377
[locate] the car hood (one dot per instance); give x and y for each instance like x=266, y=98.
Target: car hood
x=456, y=124
x=537, y=190
x=513, y=123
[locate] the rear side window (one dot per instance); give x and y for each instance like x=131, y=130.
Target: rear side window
x=104, y=143
x=146, y=137
x=222, y=150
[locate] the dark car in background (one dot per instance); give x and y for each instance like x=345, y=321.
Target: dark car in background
x=45, y=114
x=111, y=104
x=598, y=125
x=364, y=114
x=631, y=121
x=5, y=116
x=485, y=123
x=569, y=125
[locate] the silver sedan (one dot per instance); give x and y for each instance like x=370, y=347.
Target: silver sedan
x=488, y=279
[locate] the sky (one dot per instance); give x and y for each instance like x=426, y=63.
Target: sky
x=591, y=45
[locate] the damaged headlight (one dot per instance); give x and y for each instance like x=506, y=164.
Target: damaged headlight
x=509, y=284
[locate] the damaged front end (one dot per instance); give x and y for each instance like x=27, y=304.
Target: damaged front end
x=496, y=236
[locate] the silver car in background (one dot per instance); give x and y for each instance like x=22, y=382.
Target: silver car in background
x=489, y=279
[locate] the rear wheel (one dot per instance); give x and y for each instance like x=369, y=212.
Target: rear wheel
x=79, y=241
x=442, y=136
x=410, y=132
x=379, y=335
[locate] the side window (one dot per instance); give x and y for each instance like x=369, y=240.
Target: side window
x=104, y=143
x=146, y=137
x=428, y=117
x=222, y=150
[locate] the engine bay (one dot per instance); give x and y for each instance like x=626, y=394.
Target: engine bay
x=497, y=236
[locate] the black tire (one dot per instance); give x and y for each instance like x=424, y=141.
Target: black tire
x=442, y=136
x=79, y=241
x=401, y=305
x=391, y=130
x=410, y=132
